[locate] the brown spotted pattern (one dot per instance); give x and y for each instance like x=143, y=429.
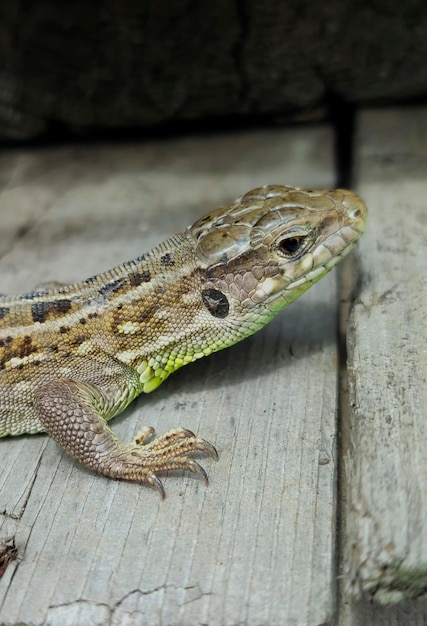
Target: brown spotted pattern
x=124, y=331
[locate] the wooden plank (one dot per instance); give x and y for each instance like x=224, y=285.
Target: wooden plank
x=385, y=549
x=257, y=545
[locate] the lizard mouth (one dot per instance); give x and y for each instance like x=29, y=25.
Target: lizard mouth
x=280, y=295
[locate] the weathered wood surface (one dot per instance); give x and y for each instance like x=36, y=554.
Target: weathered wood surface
x=385, y=548
x=257, y=545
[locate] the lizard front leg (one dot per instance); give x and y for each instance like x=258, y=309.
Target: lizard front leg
x=74, y=414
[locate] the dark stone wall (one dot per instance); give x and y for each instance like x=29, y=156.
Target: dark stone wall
x=140, y=63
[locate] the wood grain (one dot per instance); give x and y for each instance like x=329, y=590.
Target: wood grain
x=258, y=545
x=386, y=525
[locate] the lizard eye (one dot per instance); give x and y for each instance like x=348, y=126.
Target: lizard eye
x=290, y=246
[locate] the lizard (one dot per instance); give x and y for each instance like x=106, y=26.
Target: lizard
x=74, y=356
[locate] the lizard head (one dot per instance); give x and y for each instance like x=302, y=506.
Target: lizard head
x=262, y=252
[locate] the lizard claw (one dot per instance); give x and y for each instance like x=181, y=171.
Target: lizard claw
x=143, y=461
x=194, y=467
x=209, y=449
x=187, y=464
x=178, y=440
x=156, y=483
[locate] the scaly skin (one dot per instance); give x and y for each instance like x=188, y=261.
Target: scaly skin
x=72, y=358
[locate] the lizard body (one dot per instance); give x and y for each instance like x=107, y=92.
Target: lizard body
x=73, y=357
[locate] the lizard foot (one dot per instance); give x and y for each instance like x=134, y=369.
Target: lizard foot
x=69, y=411
x=167, y=452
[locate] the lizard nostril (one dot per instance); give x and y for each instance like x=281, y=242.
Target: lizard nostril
x=357, y=212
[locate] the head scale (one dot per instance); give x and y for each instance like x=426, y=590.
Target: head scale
x=267, y=248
